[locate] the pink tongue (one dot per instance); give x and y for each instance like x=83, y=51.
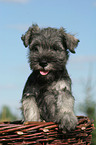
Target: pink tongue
x=44, y=73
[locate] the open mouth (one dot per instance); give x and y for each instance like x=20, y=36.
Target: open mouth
x=44, y=72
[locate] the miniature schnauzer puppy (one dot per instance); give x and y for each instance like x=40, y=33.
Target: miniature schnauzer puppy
x=47, y=94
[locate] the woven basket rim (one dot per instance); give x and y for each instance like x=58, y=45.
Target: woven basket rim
x=19, y=132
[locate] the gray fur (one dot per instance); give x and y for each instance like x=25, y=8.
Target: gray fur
x=47, y=94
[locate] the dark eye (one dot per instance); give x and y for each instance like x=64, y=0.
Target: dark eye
x=35, y=48
x=55, y=48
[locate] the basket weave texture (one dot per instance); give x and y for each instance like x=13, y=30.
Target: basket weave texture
x=44, y=133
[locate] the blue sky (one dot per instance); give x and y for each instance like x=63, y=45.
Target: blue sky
x=76, y=16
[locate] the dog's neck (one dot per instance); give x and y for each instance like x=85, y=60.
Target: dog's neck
x=52, y=76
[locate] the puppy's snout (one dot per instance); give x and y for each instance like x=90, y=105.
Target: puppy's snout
x=43, y=63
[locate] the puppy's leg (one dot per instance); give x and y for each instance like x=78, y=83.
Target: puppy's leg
x=30, y=109
x=59, y=108
x=65, y=110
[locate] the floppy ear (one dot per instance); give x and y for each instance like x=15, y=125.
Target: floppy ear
x=69, y=41
x=27, y=38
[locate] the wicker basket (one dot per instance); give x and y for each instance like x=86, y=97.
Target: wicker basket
x=42, y=133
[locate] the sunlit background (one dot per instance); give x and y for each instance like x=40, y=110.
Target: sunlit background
x=76, y=16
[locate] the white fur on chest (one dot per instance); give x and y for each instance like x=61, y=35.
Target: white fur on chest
x=61, y=85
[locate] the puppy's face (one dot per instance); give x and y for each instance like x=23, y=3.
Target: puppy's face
x=48, y=49
x=47, y=54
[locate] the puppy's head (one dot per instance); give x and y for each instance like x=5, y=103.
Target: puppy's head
x=48, y=48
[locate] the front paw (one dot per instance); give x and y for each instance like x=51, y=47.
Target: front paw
x=68, y=122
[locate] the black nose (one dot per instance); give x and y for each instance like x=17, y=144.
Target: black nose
x=43, y=63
